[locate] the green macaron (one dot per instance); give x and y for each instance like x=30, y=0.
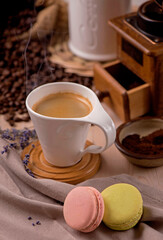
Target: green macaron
x=123, y=206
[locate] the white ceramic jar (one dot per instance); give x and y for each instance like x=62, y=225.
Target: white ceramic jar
x=90, y=35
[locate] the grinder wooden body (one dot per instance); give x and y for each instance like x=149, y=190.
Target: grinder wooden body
x=143, y=57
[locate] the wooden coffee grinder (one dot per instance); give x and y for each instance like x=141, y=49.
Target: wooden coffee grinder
x=140, y=54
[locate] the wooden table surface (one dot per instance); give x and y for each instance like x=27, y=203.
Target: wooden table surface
x=113, y=163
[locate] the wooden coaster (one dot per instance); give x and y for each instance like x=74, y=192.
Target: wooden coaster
x=81, y=171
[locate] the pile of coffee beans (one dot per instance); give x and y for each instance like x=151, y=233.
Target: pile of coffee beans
x=24, y=65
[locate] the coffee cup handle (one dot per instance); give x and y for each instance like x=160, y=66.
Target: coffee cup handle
x=100, y=118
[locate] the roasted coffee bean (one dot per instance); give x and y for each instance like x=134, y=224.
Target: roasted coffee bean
x=17, y=103
x=25, y=117
x=4, y=110
x=65, y=80
x=87, y=82
x=7, y=117
x=8, y=45
x=17, y=119
x=20, y=111
x=59, y=74
x=11, y=104
x=1, y=64
x=11, y=122
x=15, y=63
x=6, y=72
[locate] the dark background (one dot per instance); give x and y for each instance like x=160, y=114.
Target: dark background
x=13, y=7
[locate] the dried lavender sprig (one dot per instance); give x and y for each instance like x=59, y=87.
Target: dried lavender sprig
x=5, y=149
x=30, y=172
x=23, y=138
x=38, y=223
x=13, y=145
x=14, y=133
x=25, y=162
x=33, y=224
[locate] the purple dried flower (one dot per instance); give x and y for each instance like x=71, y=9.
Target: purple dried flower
x=15, y=132
x=13, y=145
x=34, y=134
x=30, y=172
x=5, y=148
x=38, y=223
x=33, y=224
x=6, y=134
x=25, y=162
x=23, y=137
x=29, y=218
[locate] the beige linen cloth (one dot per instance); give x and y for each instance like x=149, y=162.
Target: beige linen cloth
x=22, y=196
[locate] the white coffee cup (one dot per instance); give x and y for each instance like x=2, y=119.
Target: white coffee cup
x=63, y=139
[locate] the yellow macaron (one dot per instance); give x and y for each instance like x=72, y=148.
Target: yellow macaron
x=123, y=206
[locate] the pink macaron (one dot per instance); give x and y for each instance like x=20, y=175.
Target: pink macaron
x=83, y=209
